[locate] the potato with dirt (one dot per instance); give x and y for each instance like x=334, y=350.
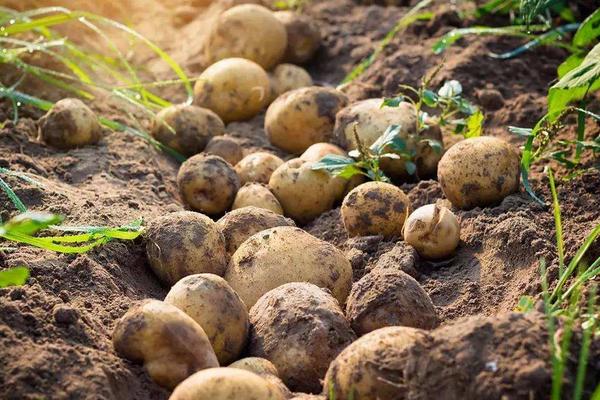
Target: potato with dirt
x=479, y=172
x=433, y=230
x=300, y=328
x=238, y=225
x=207, y=184
x=69, y=124
x=302, y=117
x=236, y=89
x=169, y=343
x=225, y=147
x=319, y=150
x=287, y=254
x=217, y=308
x=303, y=36
x=247, y=31
x=265, y=369
x=288, y=77
x=257, y=195
x=257, y=167
x=185, y=243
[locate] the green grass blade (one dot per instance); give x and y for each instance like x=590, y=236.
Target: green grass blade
x=588, y=330
x=5, y=187
x=549, y=37
x=16, y=276
x=453, y=36
x=557, y=222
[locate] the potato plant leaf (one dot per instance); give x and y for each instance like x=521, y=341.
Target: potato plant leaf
x=16, y=276
x=474, y=125
x=588, y=31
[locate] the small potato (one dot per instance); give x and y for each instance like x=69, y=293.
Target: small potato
x=207, y=184
x=238, y=225
x=257, y=195
x=217, y=308
x=375, y=208
x=303, y=36
x=185, y=243
x=185, y=128
x=479, y=172
x=69, y=124
x=257, y=167
x=288, y=77
x=258, y=365
x=234, y=88
x=225, y=147
x=247, y=31
x=303, y=117
x=171, y=344
x=433, y=231
x=301, y=329
x=286, y=254
x=319, y=150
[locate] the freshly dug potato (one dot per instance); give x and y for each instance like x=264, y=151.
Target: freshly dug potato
x=258, y=365
x=186, y=128
x=479, y=172
x=226, y=384
x=372, y=368
x=238, y=225
x=388, y=297
x=257, y=167
x=234, y=88
x=287, y=254
x=171, y=344
x=303, y=117
x=217, y=308
x=303, y=36
x=69, y=124
x=247, y=31
x=433, y=230
x=256, y=195
x=225, y=147
x=185, y=243
x=375, y=208
x=287, y=77
x=207, y=183
x=319, y=150
x=301, y=329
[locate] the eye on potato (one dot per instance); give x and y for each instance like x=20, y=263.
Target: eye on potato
x=236, y=89
x=479, y=172
x=70, y=124
x=256, y=195
x=169, y=343
x=288, y=77
x=433, y=230
x=257, y=167
x=225, y=147
x=301, y=329
x=287, y=254
x=303, y=36
x=302, y=117
x=319, y=150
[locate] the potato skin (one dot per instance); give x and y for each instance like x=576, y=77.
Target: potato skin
x=375, y=208
x=217, y=308
x=319, y=150
x=258, y=365
x=301, y=329
x=171, y=344
x=236, y=89
x=257, y=195
x=288, y=77
x=303, y=36
x=479, y=172
x=193, y=127
x=247, y=31
x=433, y=230
x=287, y=254
x=70, y=124
x=225, y=147
x=302, y=117
x=207, y=183
x=185, y=243
x=257, y=167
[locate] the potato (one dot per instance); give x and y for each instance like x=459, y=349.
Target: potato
x=217, y=308
x=247, y=31
x=69, y=124
x=479, y=172
x=301, y=329
x=258, y=365
x=257, y=167
x=287, y=254
x=207, y=183
x=387, y=297
x=169, y=343
x=225, y=384
x=225, y=147
x=433, y=230
x=287, y=77
x=186, y=128
x=234, y=88
x=238, y=225
x=256, y=195
x=303, y=117
x=303, y=36
x=375, y=208
x=319, y=150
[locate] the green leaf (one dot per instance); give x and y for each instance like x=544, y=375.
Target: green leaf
x=572, y=62
x=474, y=125
x=430, y=98
x=348, y=172
x=29, y=223
x=16, y=276
x=588, y=31
x=385, y=139
x=525, y=305
x=453, y=36
x=333, y=160
x=392, y=102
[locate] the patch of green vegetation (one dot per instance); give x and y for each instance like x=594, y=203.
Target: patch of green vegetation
x=16, y=276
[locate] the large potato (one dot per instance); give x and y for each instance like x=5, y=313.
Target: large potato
x=319, y=150
x=265, y=369
x=69, y=124
x=479, y=172
x=303, y=36
x=257, y=167
x=257, y=195
x=286, y=254
x=247, y=31
x=185, y=243
x=433, y=230
x=171, y=344
x=225, y=147
x=301, y=329
x=303, y=117
x=234, y=88
x=287, y=77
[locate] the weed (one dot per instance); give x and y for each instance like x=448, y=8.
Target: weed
x=16, y=276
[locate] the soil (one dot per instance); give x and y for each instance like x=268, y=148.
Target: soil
x=55, y=332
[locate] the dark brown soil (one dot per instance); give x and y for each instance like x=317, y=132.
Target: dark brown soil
x=55, y=332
